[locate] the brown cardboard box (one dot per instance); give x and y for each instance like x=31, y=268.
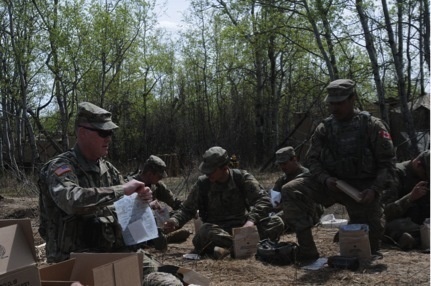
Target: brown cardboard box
x=245, y=240
x=354, y=241
x=17, y=253
x=95, y=269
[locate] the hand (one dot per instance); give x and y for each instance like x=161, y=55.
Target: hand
x=368, y=195
x=170, y=225
x=419, y=191
x=248, y=223
x=331, y=183
x=155, y=205
x=135, y=186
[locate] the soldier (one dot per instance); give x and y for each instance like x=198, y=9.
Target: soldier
x=288, y=162
x=225, y=198
x=77, y=190
x=151, y=172
x=411, y=206
x=348, y=145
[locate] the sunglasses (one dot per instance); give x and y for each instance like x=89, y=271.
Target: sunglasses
x=101, y=133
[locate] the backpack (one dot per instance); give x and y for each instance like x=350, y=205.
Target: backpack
x=277, y=253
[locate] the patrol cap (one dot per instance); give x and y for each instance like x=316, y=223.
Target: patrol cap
x=284, y=154
x=156, y=165
x=339, y=90
x=424, y=158
x=213, y=158
x=94, y=116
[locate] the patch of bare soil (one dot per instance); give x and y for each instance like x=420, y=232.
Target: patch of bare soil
x=395, y=268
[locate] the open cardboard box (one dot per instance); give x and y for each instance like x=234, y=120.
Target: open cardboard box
x=95, y=269
x=17, y=253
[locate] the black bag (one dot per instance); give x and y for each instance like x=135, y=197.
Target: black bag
x=278, y=253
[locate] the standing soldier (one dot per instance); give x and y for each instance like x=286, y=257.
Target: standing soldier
x=225, y=198
x=350, y=145
x=77, y=192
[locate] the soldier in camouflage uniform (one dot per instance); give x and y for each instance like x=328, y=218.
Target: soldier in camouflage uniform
x=288, y=162
x=408, y=203
x=77, y=190
x=349, y=145
x=225, y=198
x=151, y=172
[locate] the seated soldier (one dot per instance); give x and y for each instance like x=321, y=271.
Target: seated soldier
x=151, y=172
x=407, y=211
x=225, y=198
x=288, y=162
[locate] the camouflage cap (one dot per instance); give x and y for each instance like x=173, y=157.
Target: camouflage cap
x=213, y=158
x=339, y=90
x=155, y=164
x=284, y=154
x=94, y=116
x=424, y=158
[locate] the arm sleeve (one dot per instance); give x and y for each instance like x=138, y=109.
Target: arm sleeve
x=259, y=201
x=66, y=191
x=313, y=154
x=383, y=150
x=189, y=208
x=163, y=194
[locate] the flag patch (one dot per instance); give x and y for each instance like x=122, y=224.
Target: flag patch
x=384, y=134
x=62, y=170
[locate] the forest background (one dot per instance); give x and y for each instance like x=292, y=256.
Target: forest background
x=241, y=74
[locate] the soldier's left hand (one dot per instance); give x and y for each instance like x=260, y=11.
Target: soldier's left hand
x=368, y=196
x=248, y=223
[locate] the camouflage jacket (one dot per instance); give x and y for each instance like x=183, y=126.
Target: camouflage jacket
x=360, y=149
x=226, y=204
x=284, y=179
x=75, y=203
x=398, y=204
x=161, y=193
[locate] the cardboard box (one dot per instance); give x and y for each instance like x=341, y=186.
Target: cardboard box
x=95, y=269
x=245, y=240
x=17, y=253
x=354, y=241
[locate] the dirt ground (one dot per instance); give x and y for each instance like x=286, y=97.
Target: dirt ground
x=395, y=268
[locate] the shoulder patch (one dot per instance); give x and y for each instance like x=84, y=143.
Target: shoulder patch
x=62, y=170
x=384, y=134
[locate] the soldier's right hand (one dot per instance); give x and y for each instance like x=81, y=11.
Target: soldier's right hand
x=331, y=183
x=170, y=225
x=135, y=186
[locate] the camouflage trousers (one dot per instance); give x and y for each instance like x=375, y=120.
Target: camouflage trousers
x=395, y=228
x=300, y=196
x=210, y=235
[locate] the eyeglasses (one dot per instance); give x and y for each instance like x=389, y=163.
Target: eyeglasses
x=101, y=133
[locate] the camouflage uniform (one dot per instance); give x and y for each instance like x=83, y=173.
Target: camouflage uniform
x=223, y=206
x=76, y=197
x=402, y=214
x=358, y=151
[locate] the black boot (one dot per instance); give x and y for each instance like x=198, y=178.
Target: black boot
x=307, y=248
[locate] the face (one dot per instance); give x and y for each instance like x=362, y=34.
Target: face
x=420, y=169
x=220, y=175
x=289, y=167
x=94, y=143
x=342, y=110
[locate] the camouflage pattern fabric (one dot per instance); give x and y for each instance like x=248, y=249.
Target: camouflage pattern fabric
x=76, y=212
x=227, y=208
x=362, y=164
